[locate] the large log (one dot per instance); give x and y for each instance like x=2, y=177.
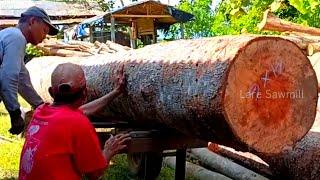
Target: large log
x=272, y=23
x=194, y=171
x=313, y=48
x=244, y=159
x=246, y=92
x=301, y=162
x=225, y=166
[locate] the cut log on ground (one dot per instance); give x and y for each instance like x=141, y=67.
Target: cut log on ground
x=67, y=53
x=302, y=162
x=117, y=47
x=225, y=166
x=303, y=45
x=53, y=47
x=313, y=48
x=272, y=23
x=195, y=171
x=299, y=163
x=315, y=61
x=244, y=159
x=245, y=92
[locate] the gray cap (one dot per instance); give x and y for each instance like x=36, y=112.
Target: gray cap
x=40, y=13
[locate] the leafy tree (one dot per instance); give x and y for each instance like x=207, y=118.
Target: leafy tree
x=242, y=16
x=31, y=52
x=200, y=26
x=202, y=23
x=239, y=16
x=305, y=12
x=106, y=5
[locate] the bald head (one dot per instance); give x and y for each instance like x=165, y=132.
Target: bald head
x=67, y=82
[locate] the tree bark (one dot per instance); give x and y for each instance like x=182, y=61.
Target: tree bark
x=272, y=23
x=225, y=166
x=245, y=92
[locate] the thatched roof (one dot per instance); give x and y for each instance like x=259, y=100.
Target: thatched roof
x=163, y=14
x=13, y=22
x=56, y=10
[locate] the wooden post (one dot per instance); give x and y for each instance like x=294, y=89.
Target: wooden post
x=113, y=35
x=133, y=35
x=154, y=35
x=180, y=164
x=182, y=30
x=90, y=33
x=101, y=34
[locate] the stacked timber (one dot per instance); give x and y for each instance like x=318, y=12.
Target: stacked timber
x=239, y=91
x=52, y=47
x=307, y=38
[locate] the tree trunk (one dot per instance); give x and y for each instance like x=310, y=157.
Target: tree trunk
x=245, y=159
x=225, y=166
x=301, y=162
x=272, y=23
x=195, y=171
x=246, y=92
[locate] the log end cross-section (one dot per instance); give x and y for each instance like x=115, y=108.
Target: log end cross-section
x=271, y=95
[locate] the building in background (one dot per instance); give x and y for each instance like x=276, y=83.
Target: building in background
x=61, y=13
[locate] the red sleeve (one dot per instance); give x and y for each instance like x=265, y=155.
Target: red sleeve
x=87, y=153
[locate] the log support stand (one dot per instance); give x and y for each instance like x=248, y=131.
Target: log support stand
x=145, y=144
x=180, y=164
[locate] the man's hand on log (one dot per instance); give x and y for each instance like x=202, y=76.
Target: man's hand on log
x=115, y=144
x=121, y=87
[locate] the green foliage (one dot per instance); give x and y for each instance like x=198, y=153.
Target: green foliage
x=9, y=151
x=308, y=11
x=31, y=52
x=242, y=16
x=118, y=169
x=202, y=23
x=237, y=16
x=106, y=6
x=229, y=17
x=305, y=6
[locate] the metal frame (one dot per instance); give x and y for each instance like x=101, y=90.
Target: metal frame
x=151, y=143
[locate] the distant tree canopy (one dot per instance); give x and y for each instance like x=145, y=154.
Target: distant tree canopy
x=240, y=16
x=233, y=16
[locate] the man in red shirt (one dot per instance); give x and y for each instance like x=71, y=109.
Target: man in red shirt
x=60, y=141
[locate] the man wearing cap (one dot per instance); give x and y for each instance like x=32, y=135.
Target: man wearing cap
x=33, y=27
x=60, y=141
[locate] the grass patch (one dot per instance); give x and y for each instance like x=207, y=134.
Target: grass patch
x=9, y=151
x=118, y=170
